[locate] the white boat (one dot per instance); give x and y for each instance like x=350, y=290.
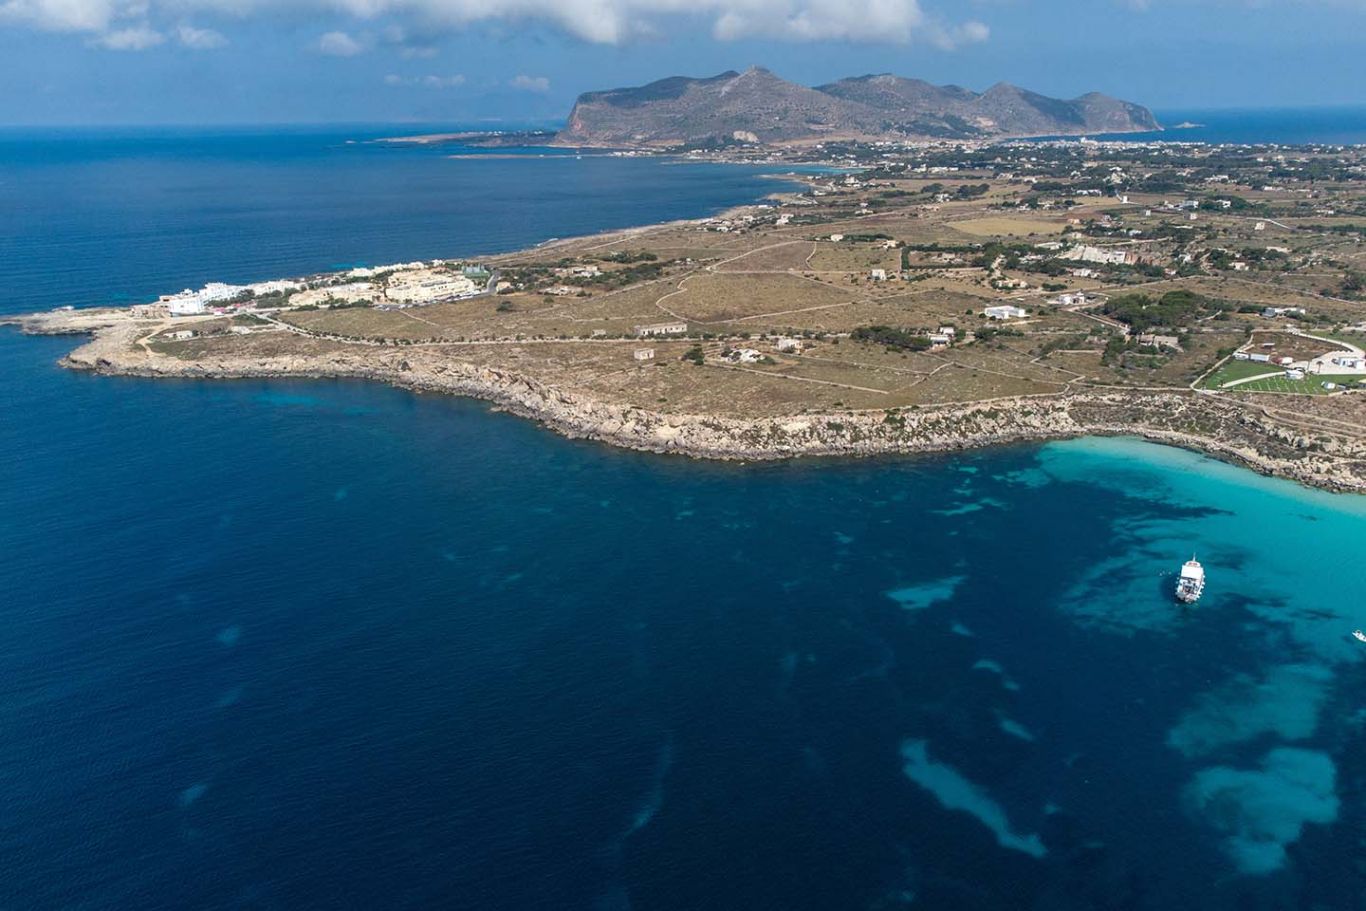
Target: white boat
x=1359, y=634
x=1191, y=584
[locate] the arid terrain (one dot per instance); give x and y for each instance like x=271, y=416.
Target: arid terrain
x=1208, y=297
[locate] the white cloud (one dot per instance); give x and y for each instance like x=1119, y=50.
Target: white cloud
x=432, y=82
x=339, y=44
x=136, y=38
x=598, y=21
x=530, y=83
x=59, y=15
x=200, y=39
x=882, y=21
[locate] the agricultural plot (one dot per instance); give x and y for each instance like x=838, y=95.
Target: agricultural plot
x=781, y=256
x=1006, y=226
x=717, y=298
x=857, y=259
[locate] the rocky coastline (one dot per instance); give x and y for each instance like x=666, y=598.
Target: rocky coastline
x=1220, y=426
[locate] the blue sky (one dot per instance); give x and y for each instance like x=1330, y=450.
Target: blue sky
x=517, y=61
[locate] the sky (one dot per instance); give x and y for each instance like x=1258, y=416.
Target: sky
x=522, y=62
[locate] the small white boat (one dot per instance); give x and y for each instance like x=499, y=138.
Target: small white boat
x=1359, y=634
x=1191, y=584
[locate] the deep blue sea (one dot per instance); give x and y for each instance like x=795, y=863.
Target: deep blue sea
x=94, y=217
x=1284, y=126
x=334, y=645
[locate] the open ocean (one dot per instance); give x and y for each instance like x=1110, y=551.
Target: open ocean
x=334, y=645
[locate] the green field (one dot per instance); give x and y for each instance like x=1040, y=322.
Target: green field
x=1236, y=370
x=1310, y=385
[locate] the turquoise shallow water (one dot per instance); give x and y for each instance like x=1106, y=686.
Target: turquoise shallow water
x=328, y=644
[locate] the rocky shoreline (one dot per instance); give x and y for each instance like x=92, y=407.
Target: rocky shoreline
x=1219, y=426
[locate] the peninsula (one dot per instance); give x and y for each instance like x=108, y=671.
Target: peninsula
x=921, y=298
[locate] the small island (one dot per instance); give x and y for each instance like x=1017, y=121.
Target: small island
x=909, y=297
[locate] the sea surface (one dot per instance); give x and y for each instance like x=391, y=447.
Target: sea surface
x=1345, y=125
x=334, y=645
x=91, y=217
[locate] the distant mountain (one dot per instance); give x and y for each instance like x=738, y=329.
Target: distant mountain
x=757, y=106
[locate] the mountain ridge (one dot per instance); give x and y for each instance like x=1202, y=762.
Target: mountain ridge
x=760, y=106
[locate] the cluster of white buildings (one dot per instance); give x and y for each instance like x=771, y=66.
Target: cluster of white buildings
x=193, y=303
x=427, y=286
x=1335, y=362
x=406, y=284
x=347, y=293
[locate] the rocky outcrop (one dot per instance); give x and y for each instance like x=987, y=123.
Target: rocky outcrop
x=1220, y=426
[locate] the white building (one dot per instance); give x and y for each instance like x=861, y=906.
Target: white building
x=644, y=354
x=184, y=305
x=1075, y=299
x=427, y=286
x=658, y=329
x=745, y=356
x=192, y=303
x=878, y=275
x=1004, y=311
x=789, y=345
x=1091, y=254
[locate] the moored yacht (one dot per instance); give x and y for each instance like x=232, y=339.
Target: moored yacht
x=1191, y=584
